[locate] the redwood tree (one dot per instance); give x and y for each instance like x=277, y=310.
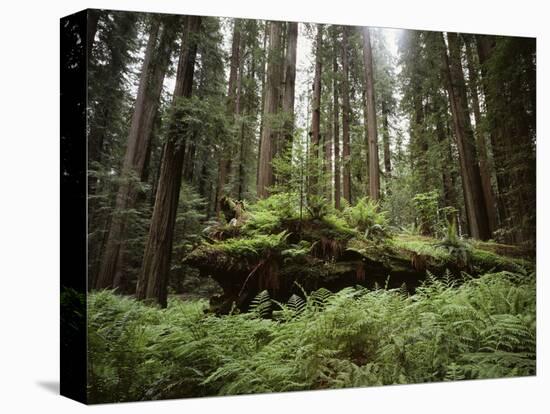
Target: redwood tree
x=224, y=165
x=346, y=117
x=290, y=80
x=152, y=283
x=336, y=122
x=374, y=169
x=476, y=211
x=155, y=65
x=268, y=135
x=484, y=168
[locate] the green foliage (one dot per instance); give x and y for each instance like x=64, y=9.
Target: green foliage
x=269, y=214
x=259, y=245
x=426, y=205
x=318, y=207
x=366, y=217
x=459, y=249
x=484, y=328
x=261, y=304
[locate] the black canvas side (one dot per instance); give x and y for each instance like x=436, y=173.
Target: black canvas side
x=73, y=375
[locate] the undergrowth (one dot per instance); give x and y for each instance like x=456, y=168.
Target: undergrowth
x=484, y=328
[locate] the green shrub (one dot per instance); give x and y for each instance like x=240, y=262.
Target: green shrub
x=269, y=214
x=255, y=246
x=366, y=217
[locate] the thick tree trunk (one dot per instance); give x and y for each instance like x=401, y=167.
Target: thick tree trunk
x=153, y=280
x=345, y=117
x=484, y=167
x=449, y=193
x=290, y=80
x=374, y=168
x=336, y=123
x=267, y=144
x=386, y=141
x=155, y=65
x=474, y=200
x=224, y=164
x=262, y=100
x=316, y=115
x=485, y=45
x=328, y=138
x=246, y=109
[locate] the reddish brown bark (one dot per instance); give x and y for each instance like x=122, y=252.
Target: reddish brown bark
x=290, y=80
x=153, y=280
x=484, y=167
x=476, y=210
x=386, y=140
x=345, y=117
x=316, y=112
x=153, y=70
x=267, y=141
x=336, y=123
x=224, y=164
x=374, y=168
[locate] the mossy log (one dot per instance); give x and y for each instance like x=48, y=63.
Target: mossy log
x=401, y=261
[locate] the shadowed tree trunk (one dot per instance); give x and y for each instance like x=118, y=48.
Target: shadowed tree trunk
x=476, y=211
x=224, y=165
x=262, y=98
x=336, y=122
x=155, y=65
x=290, y=80
x=316, y=112
x=484, y=168
x=374, y=168
x=345, y=117
x=485, y=45
x=386, y=140
x=246, y=110
x=153, y=280
x=316, y=117
x=267, y=144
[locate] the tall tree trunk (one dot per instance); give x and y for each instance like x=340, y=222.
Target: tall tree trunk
x=386, y=141
x=449, y=193
x=474, y=200
x=374, y=168
x=246, y=109
x=224, y=164
x=267, y=144
x=153, y=280
x=316, y=114
x=484, y=168
x=365, y=181
x=262, y=100
x=155, y=65
x=328, y=138
x=345, y=117
x=290, y=80
x=485, y=46
x=336, y=123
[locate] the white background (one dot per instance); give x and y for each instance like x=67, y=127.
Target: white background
x=29, y=206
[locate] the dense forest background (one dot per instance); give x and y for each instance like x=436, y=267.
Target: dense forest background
x=263, y=163
x=186, y=114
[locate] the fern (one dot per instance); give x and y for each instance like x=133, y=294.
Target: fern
x=296, y=304
x=261, y=304
x=481, y=328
